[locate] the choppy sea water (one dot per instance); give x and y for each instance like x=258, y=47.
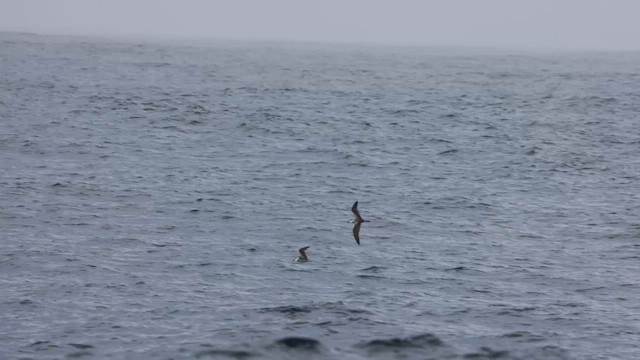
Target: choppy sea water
x=153, y=196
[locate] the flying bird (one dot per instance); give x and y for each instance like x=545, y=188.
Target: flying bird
x=357, y=222
x=303, y=255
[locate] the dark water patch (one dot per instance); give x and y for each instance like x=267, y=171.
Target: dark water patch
x=457, y=268
x=530, y=236
x=299, y=344
x=593, y=100
x=339, y=308
x=289, y=310
x=173, y=128
x=481, y=291
x=524, y=336
x=197, y=109
x=469, y=231
x=161, y=245
x=439, y=140
x=81, y=346
x=422, y=341
x=548, y=352
x=151, y=64
x=43, y=345
x=327, y=308
x=79, y=354
x=249, y=89
x=450, y=151
x=516, y=311
x=631, y=285
x=374, y=269
x=487, y=353
x=159, y=109
x=584, y=290
x=366, y=276
x=569, y=304
x=416, y=282
x=226, y=354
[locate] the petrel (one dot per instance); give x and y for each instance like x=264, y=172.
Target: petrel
x=357, y=222
x=303, y=255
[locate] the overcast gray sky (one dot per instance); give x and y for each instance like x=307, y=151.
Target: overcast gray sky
x=569, y=24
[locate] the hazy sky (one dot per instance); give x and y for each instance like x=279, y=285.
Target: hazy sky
x=570, y=24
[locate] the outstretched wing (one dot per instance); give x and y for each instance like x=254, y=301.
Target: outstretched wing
x=356, y=232
x=302, y=253
x=355, y=211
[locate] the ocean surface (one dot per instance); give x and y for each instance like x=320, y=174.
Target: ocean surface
x=154, y=194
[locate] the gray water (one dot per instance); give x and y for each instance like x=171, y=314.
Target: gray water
x=153, y=196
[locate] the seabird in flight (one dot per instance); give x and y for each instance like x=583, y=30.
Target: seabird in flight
x=357, y=222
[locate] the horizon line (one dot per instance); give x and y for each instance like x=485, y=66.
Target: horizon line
x=147, y=37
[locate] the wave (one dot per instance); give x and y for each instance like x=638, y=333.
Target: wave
x=421, y=341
